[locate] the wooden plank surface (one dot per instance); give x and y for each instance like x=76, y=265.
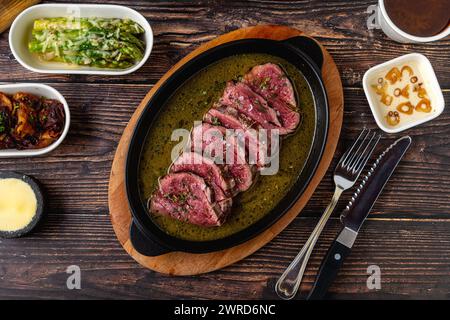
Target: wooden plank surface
x=414, y=257
x=10, y=9
x=408, y=234
x=180, y=26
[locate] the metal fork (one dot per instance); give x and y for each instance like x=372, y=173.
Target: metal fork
x=345, y=175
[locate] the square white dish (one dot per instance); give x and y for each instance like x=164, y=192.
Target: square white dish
x=39, y=90
x=428, y=78
x=20, y=34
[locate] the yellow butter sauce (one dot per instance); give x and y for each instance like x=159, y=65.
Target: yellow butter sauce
x=18, y=204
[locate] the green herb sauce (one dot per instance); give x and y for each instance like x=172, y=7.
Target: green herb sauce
x=187, y=105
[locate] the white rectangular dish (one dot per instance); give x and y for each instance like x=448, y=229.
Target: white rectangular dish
x=20, y=34
x=39, y=90
x=430, y=82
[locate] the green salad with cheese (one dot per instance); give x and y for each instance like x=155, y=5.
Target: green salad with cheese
x=95, y=42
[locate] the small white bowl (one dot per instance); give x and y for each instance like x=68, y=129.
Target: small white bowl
x=39, y=90
x=396, y=34
x=428, y=78
x=20, y=34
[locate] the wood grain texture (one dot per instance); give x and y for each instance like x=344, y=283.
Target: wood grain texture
x=181, y=26
x=414, y=258
x=10, y=9
x=407, y=234
x=183, y=263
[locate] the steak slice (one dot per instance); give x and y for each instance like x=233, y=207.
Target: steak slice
x=185, y=196
x=242, y=98
x=212, y=139
x=269, y=81
x=243, y=176
x=208, y=170
x=230, y=118
x=214, y=143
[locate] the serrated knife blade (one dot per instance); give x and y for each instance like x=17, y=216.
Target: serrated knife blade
x=356, y=213
x=370, y=188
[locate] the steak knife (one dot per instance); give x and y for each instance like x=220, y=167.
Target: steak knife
x=356, y=212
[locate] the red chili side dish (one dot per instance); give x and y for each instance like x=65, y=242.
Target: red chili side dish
x=28, y=121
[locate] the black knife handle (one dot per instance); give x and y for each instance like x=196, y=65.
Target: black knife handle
x=328, y=270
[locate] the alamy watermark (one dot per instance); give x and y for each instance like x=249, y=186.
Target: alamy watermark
x=74, y=280
x=372, y=19
x=374, y=280
x=259, y=147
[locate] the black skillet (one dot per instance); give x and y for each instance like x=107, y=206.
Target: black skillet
x=304, y=53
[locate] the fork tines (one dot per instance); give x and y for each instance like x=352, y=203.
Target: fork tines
x=356, y=157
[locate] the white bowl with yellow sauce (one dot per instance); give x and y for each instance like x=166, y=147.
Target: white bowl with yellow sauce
x=403, y=92
x=21, y=204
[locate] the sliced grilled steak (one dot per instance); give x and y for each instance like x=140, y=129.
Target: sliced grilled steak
x=213, y=140
x=242, y=98
x=243, y=176
x=208, y=170
x=202, y=181
x=230, y=118
x=269, y=81
x=209, y=140
x=186, y=197
x=289, y=118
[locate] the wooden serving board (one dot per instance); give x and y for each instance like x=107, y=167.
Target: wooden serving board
x=181, y=263
x=10, y=9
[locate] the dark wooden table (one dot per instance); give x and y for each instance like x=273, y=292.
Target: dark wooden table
x=407, y=234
